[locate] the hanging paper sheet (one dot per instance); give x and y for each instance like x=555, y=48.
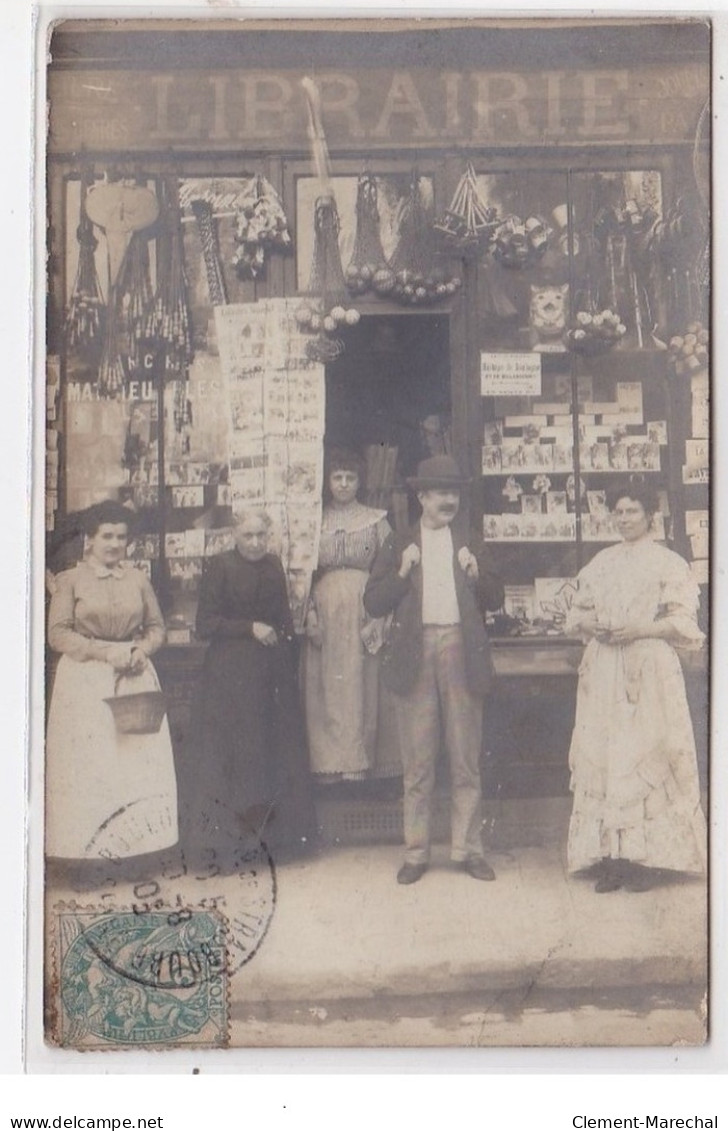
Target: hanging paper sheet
x=276, y=413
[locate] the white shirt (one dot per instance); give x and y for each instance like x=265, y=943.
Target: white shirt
x=439, y=599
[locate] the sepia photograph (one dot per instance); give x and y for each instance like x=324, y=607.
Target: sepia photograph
x=377, y=555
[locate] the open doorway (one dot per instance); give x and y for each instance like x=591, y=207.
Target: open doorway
x=388, y=396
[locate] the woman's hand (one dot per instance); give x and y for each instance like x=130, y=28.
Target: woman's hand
x=314, y=633
x=590, y=626
x=120, y=657
x=264, y=634
x=138, y=661
x=631, y=632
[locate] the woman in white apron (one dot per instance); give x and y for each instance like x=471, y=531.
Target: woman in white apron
x=109, y=795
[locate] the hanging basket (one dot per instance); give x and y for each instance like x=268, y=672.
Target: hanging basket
x=140, y=712
x=594, y=334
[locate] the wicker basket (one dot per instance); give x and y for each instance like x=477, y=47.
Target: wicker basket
x=140, y=712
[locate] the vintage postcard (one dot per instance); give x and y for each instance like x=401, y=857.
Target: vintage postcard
x=364, y=726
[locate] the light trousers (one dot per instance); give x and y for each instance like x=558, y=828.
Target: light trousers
x=441, y=702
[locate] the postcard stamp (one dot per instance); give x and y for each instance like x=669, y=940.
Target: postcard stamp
x=123, y=979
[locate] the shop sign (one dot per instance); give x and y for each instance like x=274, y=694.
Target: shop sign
x=143, y=110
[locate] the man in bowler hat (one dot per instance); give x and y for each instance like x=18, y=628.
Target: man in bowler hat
x=437, y=662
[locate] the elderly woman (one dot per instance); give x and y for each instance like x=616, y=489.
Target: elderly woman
x=109, y=794
x=633, y=762
x=250, y=762
x=343, y=641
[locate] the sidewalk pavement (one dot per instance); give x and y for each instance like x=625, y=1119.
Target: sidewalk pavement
x=344, y=929
x=351, y=957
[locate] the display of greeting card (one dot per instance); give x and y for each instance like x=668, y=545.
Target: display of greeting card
x=531, y=504
x=700, y=544
x=629, y=399
x=595, y=456
x=188, y=496
x=700, y=415
x=556, y=502
x=696, y=521
x=518, y=602
x=597, y=502
x=195, y=543
x=218, y=541
x=492, y=433
x=174, y=545
x=657, y=432
x=563, y=457
x=491, y=460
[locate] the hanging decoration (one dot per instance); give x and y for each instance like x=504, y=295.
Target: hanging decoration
x=690, y=351
x=625, y=234
x=469, y=223
x=168, y=320
x=133, y=293
x=86, y=311
x=328, y=308
x=368, y=266
x=119, y=208
x=679, y=245
x=701, y=172
x=207, y=231
x=260, y=224
x=419, y=279
x=520, y=243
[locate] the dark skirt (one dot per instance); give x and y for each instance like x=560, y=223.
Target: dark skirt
x=248, y=762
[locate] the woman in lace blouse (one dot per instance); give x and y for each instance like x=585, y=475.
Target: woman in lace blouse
x=633, y=763
x=341, y=672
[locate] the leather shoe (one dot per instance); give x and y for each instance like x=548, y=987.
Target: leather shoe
x=611, y=877
x=638, y=878
x=478, y=868
x=411, y=873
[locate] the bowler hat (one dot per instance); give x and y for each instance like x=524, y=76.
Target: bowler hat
x=437, y=471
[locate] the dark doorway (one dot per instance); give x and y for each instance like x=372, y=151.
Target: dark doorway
x=392, y=376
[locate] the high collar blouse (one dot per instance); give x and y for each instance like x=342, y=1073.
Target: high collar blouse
x=94, y=606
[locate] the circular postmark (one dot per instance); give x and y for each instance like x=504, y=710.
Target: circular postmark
x=171, y=920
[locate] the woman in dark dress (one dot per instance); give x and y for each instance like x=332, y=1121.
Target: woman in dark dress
x=250, y=774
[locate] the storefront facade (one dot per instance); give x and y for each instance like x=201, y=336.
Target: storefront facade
x=599, y=156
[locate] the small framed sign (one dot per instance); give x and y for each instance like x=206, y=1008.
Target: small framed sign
x=510, y=374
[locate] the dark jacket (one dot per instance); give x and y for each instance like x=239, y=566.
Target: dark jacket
x=386, y=592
